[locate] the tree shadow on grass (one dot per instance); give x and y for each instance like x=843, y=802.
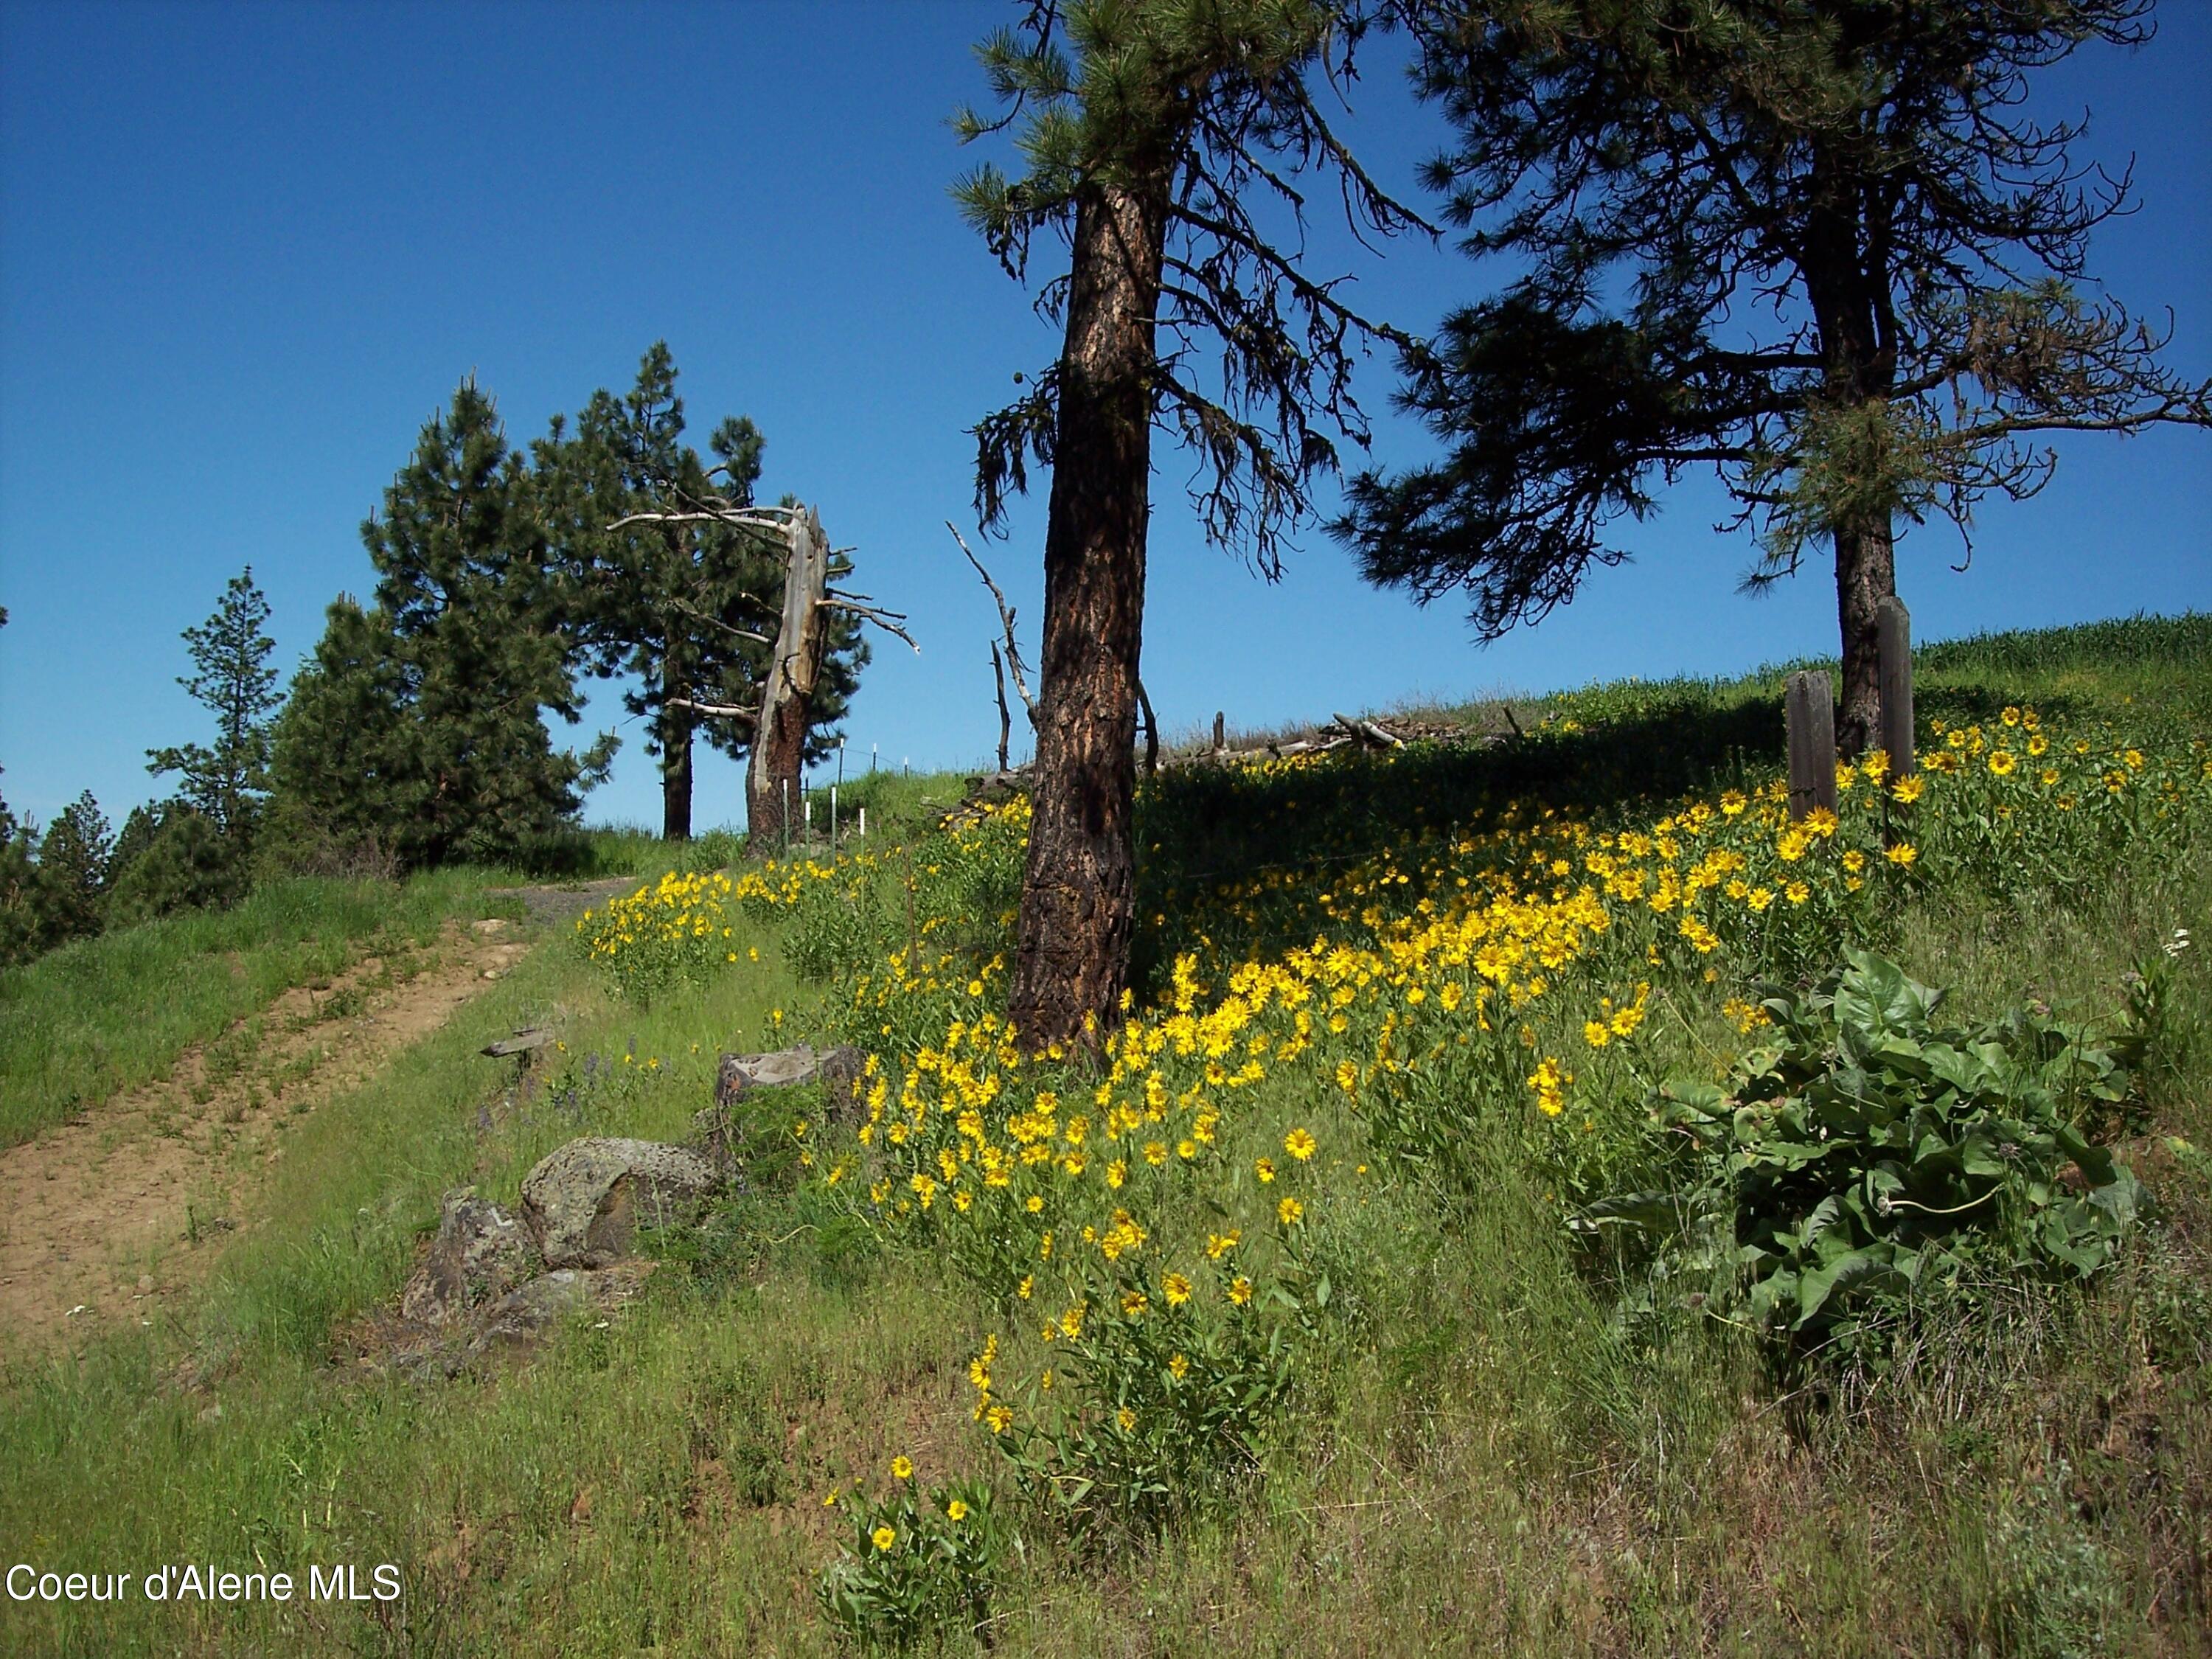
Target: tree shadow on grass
x=1214, y=844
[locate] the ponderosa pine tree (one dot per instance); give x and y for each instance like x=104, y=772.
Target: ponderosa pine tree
x=1146, y=125
x=416, y=730
x=1818, y=246
x=227, y=781
x=687, y=606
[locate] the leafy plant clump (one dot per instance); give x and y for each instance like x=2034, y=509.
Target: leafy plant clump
x=1877, y=1159
x=679, y=930
x=1156, y=1412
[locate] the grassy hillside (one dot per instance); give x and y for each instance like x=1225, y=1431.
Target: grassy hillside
x=1382, y=1289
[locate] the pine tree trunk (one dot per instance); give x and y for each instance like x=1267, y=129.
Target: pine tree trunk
x=675, y=735
x=1079, y=891
x=1847, y=280
x=778, y=744
x=1866, y=574
x=676, y=782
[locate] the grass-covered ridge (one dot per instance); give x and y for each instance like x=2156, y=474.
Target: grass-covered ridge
x=1285, y=1327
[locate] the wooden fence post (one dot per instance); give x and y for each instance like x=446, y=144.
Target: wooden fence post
x=1893, y=651
x=1220, y=730
x=1811, y=720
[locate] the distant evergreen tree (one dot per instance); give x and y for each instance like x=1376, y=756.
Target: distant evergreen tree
x=227, y=782
x=72, y=873
x=690, y=609
x=19, y=875
x=416, y=732
x=18, y=846
x=170, y=857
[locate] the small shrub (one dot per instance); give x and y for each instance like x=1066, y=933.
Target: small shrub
x=1875, y=1157
x=920, y=1565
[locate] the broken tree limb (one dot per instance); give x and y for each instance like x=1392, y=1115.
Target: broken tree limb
x=738, y=515
x=1308, y=746
x=1152, y=731
x=717, y=711
x=697, y=614
x=1014, y=663
x=1369, y=732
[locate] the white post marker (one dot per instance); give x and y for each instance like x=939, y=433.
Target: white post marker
x=864, y=824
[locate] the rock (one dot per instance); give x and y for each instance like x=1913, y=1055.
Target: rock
x=719, y=1138
x=585, y=1202
x=843, y=1069
x=481, y=1252
x=489, y=926
x=517, y=1319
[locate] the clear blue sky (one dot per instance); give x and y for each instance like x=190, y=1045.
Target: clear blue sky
x=246, y=250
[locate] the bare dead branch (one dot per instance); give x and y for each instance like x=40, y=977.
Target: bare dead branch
x=736, y=515
x=891, y=622
x=1005, y=720
x=1006, y=621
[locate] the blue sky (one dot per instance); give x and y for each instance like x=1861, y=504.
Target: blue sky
x=246, y=252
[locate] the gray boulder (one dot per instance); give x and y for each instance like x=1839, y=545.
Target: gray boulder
x=585, y=1202
x=481, y=1253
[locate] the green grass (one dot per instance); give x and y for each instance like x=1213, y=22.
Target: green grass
x=1481, y=1460
x=106, y=1014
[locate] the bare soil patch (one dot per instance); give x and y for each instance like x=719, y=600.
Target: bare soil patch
x=109, y=1216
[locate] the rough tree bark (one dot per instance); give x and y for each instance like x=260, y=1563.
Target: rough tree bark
x=778, y=746
x=1847, y=280
x=1866, y=574
x=1079, y=892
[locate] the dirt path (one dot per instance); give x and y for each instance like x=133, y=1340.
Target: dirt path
x=108, y=1218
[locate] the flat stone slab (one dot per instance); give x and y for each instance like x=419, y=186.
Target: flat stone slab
x=739, y=1075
